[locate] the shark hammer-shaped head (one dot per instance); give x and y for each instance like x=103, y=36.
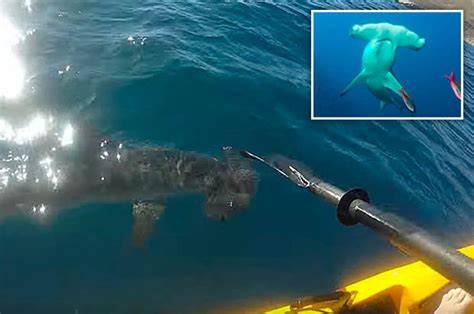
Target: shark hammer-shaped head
x=399, y=35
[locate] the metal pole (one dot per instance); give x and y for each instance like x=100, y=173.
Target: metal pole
x=418, y=243
x=353, y=207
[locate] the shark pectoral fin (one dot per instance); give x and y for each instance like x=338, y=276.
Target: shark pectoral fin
x=215, y=211
x=145, y=214
x=359, y=78
x=382, y=105
x=392, y=84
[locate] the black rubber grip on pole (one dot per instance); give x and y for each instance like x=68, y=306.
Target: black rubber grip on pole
x=343, y=213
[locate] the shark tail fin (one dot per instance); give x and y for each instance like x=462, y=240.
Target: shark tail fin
x=359, y=78
x=234, y=182
x=450, y=77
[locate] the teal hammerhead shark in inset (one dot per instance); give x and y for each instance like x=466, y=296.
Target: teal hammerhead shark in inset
x=378, y=59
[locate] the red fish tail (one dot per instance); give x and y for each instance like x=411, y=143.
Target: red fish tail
x=404, y=94
x=450, y=77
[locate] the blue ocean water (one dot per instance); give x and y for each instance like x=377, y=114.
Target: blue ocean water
x=338, y=59
x=199, y=77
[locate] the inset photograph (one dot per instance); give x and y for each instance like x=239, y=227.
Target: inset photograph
x=387, y=65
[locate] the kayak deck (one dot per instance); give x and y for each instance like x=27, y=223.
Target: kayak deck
x=405, y=289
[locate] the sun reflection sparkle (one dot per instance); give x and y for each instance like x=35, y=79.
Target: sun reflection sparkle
x=27, y=5
x=68, y=135
x=36, y=127
x=12, y=73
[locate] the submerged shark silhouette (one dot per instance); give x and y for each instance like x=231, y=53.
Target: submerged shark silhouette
x=378, y=59
x=57, y=170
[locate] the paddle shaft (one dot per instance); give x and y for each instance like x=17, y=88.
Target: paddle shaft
x=404, y=235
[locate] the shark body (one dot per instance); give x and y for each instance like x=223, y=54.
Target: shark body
x=379, y=56
x=43, y=177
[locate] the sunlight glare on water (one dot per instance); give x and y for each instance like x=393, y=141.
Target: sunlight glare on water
x=12, y=73
x=68, y=135
x=27, y=5
x=34, y=129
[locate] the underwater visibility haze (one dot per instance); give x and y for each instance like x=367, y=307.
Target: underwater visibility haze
x=194, y=78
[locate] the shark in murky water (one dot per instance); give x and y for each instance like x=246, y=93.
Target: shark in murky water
x=45, y=169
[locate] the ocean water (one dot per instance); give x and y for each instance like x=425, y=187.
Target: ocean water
x=200, y=76
x=338, y=60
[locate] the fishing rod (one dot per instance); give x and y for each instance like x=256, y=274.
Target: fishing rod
x=353, y=207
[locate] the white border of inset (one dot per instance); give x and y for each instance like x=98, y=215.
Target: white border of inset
x=387, y=11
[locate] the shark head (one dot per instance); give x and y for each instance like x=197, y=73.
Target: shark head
x=230, y=187
x=361, y=32
x=399, y=35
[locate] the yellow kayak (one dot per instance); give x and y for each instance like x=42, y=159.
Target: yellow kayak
x=413, y=288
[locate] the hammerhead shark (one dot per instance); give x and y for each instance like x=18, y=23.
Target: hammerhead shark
x=378, y=58
x=45, y=169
